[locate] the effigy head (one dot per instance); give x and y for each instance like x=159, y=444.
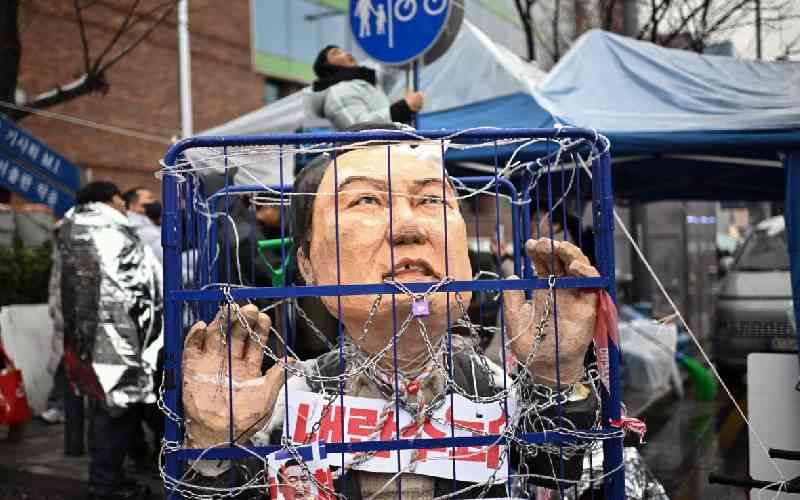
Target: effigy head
x=415, y=235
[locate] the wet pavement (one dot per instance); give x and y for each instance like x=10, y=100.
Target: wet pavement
x=36, y=468
x=687, y=439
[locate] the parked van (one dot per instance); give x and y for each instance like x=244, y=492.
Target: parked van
x=754, y=307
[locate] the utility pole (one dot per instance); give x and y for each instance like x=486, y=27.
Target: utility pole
x=758, y=29
x=638, y=217
x=184, y=69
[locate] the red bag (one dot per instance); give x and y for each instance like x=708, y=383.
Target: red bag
x=14, y=407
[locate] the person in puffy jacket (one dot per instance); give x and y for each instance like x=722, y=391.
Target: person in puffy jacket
x=144, y=213
x=346, y=93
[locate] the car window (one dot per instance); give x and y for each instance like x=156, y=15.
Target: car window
x=764, y=252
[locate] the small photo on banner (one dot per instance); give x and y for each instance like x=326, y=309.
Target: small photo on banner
x=305, y=475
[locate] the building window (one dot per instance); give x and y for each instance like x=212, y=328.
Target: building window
x=275, y=89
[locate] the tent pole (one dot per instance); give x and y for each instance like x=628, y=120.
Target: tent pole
x=791, y=215
x=640, y=276
x=758, y=29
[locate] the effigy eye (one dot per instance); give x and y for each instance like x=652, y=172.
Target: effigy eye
x=431, y=199
x=368, y=200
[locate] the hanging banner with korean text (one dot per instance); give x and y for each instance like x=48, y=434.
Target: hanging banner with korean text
x=33, y=186
x=31, y=169
x=368, y=419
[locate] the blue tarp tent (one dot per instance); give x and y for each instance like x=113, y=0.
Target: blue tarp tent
x=682, y=125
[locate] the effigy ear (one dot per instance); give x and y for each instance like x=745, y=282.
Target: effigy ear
x=196, y=338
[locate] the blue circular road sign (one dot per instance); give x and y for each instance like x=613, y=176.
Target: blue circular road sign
x=397, y=31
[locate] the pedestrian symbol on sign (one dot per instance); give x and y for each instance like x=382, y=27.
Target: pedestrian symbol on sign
x=364, y=11
x=380, y=20
x=397, y=31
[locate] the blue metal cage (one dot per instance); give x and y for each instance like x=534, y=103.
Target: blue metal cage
x=198, y=270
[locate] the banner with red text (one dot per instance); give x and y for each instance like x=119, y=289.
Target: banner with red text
x=359, y=419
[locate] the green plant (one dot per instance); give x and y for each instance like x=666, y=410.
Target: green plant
x=24, y=273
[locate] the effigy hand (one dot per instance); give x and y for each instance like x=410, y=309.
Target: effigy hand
x=206, y=384
x=576, y=308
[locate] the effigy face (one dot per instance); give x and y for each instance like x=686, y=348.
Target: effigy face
x=416, y=235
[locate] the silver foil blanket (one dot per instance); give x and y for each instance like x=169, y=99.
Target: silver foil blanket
x=640, y=483
x=112, y=305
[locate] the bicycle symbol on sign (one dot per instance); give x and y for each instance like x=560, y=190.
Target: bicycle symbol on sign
x=405, y=10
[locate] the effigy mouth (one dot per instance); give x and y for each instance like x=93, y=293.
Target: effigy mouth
x=410, y=268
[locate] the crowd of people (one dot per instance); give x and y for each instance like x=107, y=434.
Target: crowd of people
x=106, y=289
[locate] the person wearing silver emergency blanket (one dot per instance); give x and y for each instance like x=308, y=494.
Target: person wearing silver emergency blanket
x=112, y=308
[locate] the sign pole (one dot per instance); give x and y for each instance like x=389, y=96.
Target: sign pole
x=415, y=85
x=416, y=69
x=184, y=69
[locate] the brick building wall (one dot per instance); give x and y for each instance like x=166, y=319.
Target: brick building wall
x=143, y=86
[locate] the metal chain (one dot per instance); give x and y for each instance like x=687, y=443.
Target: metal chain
x=419, y=296
x=547, y=397
x=329, y=399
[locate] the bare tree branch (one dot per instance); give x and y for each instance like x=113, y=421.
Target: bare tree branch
x=724, y=18
x=544, y=43
x=695, y=23
x=654, y=21
x=657, y=13
x=122, y=29
x=83, y=85
x=704, y=16
x=93, y=79
x=686, y=18
x=780, y=18
x=10, y=49
x=122, y=53
x=699, y=43
x=82, y=30
x=526, y=18
x=146, y=15
x=790, y=49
